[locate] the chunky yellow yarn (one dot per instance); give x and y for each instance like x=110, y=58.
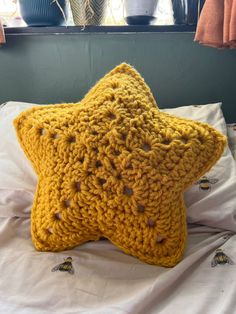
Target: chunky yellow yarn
x=114, y=166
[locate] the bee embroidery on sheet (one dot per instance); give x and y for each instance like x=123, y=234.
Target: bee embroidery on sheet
x=205, y=183
x=234, y=127
x=66, y=266
x=221, y=258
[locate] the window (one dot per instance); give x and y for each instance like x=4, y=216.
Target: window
x=10, y=13
x=169, y=12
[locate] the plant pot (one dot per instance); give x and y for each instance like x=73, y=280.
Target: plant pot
x=140, y=12
x=192, y=15
x=180, y=11
x=42, y=12
x=84, y=14
x=187, y=11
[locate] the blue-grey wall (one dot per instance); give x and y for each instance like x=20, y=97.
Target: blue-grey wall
x=56, y=68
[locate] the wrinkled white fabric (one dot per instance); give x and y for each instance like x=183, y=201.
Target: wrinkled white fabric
x=107, y=281
x=16, y=171
x=15, y=203
x=231, y=129
x=17, y=177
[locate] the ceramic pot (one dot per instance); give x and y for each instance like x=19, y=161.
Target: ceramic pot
x=140, y=12
x=88, y=15
x=42, y=12
x=187, y=11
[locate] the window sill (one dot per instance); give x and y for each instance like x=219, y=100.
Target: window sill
x=99, y=29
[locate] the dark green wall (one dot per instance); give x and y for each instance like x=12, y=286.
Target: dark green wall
x=58, y=68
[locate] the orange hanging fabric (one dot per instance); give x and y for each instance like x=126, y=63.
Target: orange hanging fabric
x=217, y=24
x=2, y=35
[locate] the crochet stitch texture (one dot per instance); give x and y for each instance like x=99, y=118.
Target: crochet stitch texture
x=114, y=166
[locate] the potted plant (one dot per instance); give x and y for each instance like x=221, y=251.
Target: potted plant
x=43, y=12
x=140, y=12
x=88, y=12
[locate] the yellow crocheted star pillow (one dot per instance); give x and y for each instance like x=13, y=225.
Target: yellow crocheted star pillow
x=114, y=166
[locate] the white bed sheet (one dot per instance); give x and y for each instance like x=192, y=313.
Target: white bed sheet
x=107, y=281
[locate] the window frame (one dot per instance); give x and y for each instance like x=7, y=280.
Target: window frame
x=100, y=29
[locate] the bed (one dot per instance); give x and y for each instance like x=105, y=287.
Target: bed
x=97, y=277
x=107, y=281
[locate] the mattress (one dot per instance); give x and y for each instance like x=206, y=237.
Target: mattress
x=107, y=281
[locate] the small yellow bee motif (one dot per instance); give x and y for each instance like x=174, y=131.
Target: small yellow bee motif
x=221, y=258
x=234, y=127
x=66, y=266
x=205, y=183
